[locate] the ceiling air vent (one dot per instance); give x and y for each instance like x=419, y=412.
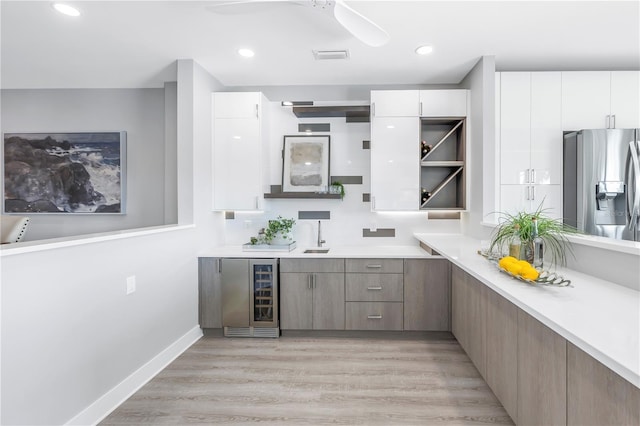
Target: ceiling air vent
x=321, y=55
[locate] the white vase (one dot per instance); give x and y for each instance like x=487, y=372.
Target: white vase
x=281, y=240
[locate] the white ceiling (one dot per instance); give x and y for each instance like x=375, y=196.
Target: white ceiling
x=136, y=43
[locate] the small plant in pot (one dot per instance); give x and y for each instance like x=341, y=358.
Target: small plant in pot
x=552, y=232
x=337, y=188
x=279, y=231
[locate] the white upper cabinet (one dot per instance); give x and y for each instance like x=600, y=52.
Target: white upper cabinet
x=238, y=150
x=600, y=99
x=530, y=132
x=395, y=163
x=546, y=128
x=530, y=141
x=443, y=103
x=395, y=103
x=625, y=99
x=515, y=133
x=236, y=104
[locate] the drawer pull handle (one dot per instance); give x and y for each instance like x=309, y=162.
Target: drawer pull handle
x=374, y=288
x=374, y=266
x=374, y=316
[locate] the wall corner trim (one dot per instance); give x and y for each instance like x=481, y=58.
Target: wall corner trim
x=103, y=406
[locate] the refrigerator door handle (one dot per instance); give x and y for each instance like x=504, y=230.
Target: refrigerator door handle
x=633, y=186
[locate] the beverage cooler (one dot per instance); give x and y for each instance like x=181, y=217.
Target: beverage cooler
x=250, y=297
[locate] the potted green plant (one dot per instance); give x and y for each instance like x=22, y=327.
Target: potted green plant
x=552, y=232
x=337, y=188
x=278, y=231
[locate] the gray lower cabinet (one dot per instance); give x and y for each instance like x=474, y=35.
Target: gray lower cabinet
x=469, y=305
x=596, y=395
x=542, y=373
x=377, y=316
x=310, y=298
x=427, y=295
x=502, y=351
x=374, y=294
x=210, y=292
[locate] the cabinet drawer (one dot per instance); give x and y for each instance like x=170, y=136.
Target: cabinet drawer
x=311, y=265
x=374, y=316
x=379, y=266
x=374, y=288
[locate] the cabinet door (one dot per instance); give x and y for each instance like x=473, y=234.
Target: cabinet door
x=469, y=316
x=586, y=99
x=395, y=163
x=596, y=395
x=515, y=133
x=443, y=103
x=395, y=103
x=237, y=168
x=549, y=197
x=427, y=290
x=235, y=292
x=458, y=300
x=625, y=99
x=210, y=293
x=542, y=374
x=296, y=301
x=515, y=198
x=546, y=128
x=502, y=351
x=328, y=301
x=236, y=104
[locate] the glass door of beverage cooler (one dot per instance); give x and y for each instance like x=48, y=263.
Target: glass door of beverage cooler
x=264, y=293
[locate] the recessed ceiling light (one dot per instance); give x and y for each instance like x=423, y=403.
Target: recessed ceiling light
x=424, y=50
x=65, y=9
x=247, y=53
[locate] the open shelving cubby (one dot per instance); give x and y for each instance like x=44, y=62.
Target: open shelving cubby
x=442, y=169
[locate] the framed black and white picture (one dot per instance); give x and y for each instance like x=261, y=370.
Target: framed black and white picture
x=64, y=172
x=306, y=164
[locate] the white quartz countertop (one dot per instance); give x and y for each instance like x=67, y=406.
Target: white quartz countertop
x=402, y=252
x=599, y=317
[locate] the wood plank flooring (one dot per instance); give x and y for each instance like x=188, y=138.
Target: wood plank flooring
x=325, y=380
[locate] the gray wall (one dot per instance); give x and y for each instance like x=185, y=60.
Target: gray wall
x=139, y=112
x=481, y=83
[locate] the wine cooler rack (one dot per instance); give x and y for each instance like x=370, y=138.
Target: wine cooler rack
x=442, y=163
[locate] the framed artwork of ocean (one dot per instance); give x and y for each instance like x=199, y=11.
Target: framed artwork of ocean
x=64, y=172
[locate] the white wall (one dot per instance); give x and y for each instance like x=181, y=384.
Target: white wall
x=349, y=216
x=70, y=333
x=73, y=344
x=139, y=112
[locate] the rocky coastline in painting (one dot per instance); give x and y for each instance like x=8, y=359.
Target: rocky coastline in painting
x=56, y=176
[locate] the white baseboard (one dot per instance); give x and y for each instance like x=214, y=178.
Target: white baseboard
x=103, y=406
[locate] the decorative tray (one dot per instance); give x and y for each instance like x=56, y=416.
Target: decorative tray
x=268, y=247
x=545, y=277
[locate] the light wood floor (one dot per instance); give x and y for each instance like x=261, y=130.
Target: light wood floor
x=316, y=381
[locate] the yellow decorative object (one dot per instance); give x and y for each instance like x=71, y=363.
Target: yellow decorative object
x=506, y=261
x=529, y=273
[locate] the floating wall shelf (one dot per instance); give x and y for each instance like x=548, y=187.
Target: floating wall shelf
x=291, y=195
x=352, y=113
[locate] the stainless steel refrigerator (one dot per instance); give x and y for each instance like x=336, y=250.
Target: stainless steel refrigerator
x=601, y=185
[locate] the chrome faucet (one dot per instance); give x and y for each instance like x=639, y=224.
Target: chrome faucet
x=320, y=240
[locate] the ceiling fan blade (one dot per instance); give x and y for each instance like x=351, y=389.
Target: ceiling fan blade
x=360, y=26
x=244, y=7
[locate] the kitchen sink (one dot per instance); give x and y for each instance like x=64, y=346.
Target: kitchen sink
x=320, y=250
